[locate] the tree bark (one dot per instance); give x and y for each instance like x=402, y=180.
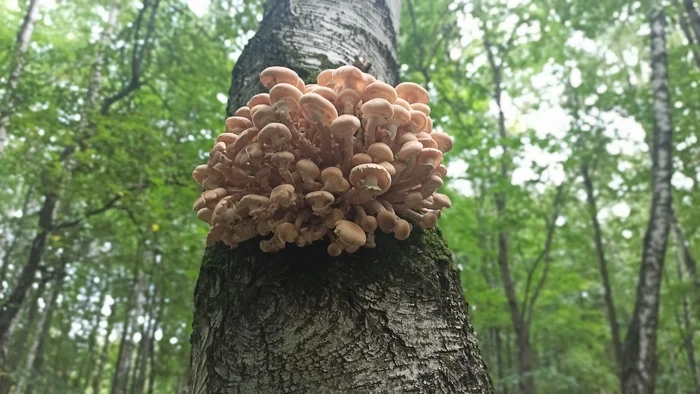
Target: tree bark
x=35, y=359
x=522, y=331
x=24, y=36
x=640, y=364
x=694, y=18
x=387, y=319
x=26, y=277
x=102, y=358
x=603, y=267
x=120, y=379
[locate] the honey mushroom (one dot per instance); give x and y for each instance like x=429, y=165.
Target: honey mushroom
x=333, y=160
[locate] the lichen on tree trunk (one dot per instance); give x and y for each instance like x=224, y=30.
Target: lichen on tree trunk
x=388, y=319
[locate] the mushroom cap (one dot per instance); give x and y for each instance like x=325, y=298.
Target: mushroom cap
x=321, y=199
x=351, y=76
x=259, y=99
x=379, y=89
x=409, y=150
x=283, y=195
x=442, y=200
x=227, y=138
x=325, y=92
x=349, y=95
x=441, y=169
x=334, y=181
x=402, y=230
x=264, y=116
x=286, y=94
x=271, y=76
x=282, y=159
x=334, y=250
x=427, y=141
x=380, y=152
x=429, y=219
x=308, y=168
x=369, y=78
x=325, y=77
x=403, y=103
x=388, y=167
x=253, y=201
x=443, y=140
x=344, y=126
x=424, y=108
x=274, y=133
x=237, y=122
x=401, y=115
x=349, y=234
x=379, y=108
x=387, y=221
x=286, y=232
x=360, y=158
x=418, y=119
x=399, y=165
x=412, y=92
x=318, y=109
x=361, y=175
x=404, y=138
x=243, y=112
x=429, y=156
x=332, y=218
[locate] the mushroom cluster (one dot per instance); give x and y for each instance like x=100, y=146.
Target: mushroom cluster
x=335, y=160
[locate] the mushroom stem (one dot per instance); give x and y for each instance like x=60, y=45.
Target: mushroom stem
x=370, y=131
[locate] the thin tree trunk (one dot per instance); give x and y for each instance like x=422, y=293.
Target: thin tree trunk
x=9, y=251
x=694, y=18
x=522, y=332
x=640, y=364
x=603, y=267
x=672, y=365
x=26, y=277
x=104, y=353
x=685, y=27
x=388, y=319
x=686, y=256
x=687, y=328
x=24, y=36
x=34, y=361
x=141, y=364
x=122, y=368
x=499, y=362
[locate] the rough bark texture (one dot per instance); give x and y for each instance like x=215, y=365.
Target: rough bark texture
x=392, y=319
x=311, y=35
x=640, y=345
x=603, y=266
x=24, y=36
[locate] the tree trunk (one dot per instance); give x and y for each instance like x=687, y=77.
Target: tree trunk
x=387, y=319
x=104, y=354
x=123, y=365
x=24, y=36
x=9, y=250
x=35, y=359
x=26, y=277
x=640, y=346
x=603, y=266
x=686, y=326
x=694, y=18
x=520, y=326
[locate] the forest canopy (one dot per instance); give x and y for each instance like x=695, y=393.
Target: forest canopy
x=107, y=106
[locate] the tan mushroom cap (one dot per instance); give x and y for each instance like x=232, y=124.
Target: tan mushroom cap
x=442, y=200
x=254, y=202
x=227, y=138
x=283, y=195
x=333, y=180
x=259, y=99
x=324, y=77
x=388, y=167
x=271, y=76
x=372, y=177
x=401, y=115
x=379, y=108
x=308, y=168
x=286, y=93
x=360, y=158
x=320, y=200
x=412, y=92
x=286, y=232
x=344, y=126
x=349, y=77
x=424, y=108
x=379, y=89
x=444, y=141
x=282, y=158
x=350, y=234
x=418, y=119
x=426, y=139
x=325, y=92
x=243, y=112
x=237, y=123
x=402, y=230
x=274, y=134
x=318, y=109
x=264, y=115
x=380, y=152
x=409, y=150
x=429, y=156
x=403, y=103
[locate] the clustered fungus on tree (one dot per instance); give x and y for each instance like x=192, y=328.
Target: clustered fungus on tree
x=335, y=160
